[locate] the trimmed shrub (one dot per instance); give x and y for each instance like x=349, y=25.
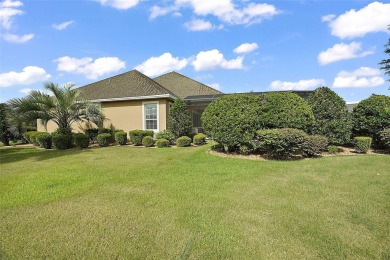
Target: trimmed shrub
x=136, y=136
x=371, y=116
x=44, y=140
x=33, y=138
x=232, y=120
x=384, y=137
x=362, y=144
x=162, y=143
x=92, y=133
x=333, y=149
x=284, y=110
x=81, y=140
x=166, y=134
x=147, y=141
x=61, y=141
x=27, y=136
x=332, y=118
x=246, y=149
x=68, y=139
x=281, y=143
x=121, y=137
x=183, y=141
x=103, y=139
x=199, y=139
x=179, y=119
x=313, y=145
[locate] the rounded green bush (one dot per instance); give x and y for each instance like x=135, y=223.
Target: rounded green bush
x=199, y=139
x=384, y=137
x=246, y=149
x=362, y=144
x=92, y=133
x=103, y=139
x=162, y=143
x=44, y=140
x=313, y=145
x=81, y=140
x=136, y=136
x=183, y=141
x=166, y=134
x=333, y=149
x=61, y=141
x=33, y=138
x=147, y=141
x=121, y=137
x=27, y=136
x=371, y=116
x=68, y=133
x=332, y=118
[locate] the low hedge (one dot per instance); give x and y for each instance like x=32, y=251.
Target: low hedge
x=362, y=144
x=313, y=145
x=147, y=141
x=162, y=143
x=44, y=140
x=27, y=136
x=199, y=139
x=81, y=140
x=62, y=141
x=103, y=139
x=136, y=136
x=183, y=141
x=166, y=134
x=33, y=138
x=121, y=137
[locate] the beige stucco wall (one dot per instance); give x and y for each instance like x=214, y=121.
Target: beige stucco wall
x=125, y=115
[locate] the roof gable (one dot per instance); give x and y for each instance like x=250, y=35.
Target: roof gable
x=128, y=84
x=183, y=86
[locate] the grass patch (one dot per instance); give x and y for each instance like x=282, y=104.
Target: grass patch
x=126, y=202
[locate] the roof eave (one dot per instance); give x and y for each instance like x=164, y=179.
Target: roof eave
x=169, y=96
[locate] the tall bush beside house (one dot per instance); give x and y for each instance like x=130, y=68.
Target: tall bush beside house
x=121, y=137
x=136, y=136
x=371, y=116
x=332, y=118
x=232, y=120
x=179, y=119
x=284, y=110
x=384, y=138
x=81, y=140
x=4, y=126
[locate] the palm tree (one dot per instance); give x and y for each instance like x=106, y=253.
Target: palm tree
x=64, y=106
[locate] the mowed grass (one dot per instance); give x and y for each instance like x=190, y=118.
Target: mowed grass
x=182, y=203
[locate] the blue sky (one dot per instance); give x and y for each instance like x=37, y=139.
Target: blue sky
x=234, y=46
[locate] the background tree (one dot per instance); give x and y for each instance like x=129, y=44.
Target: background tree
x=4, y=126
x=179, y=119
x=385, y=64
x=332, y=118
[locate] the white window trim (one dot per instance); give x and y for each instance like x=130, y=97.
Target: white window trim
x=158, y=115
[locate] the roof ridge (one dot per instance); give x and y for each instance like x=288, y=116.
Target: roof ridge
x=158, y=84
x=109, y=78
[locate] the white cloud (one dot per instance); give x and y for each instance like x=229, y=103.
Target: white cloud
x=157, y=11
x=342, y=52
x=328, y=18
x=363, y=77
x=6, y=16
x=224, y=10
x=62, y=26
x=300, y=85
x=373, y=18
x=215, y=86
x=120, y=4
x=206, y=60
x=199, y=25
x=162, y=64
x=10, y=3
x=18, y=39
x=246, y=48
x=92, y=69
x=29, y=75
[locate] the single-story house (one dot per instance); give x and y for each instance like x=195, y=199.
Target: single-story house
x=133, y=100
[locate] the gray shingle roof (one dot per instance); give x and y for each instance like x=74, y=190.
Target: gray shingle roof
x=183, y=86
x=128, y=84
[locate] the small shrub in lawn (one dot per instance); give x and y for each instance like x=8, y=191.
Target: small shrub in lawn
x=103, y=139
x=92, y=133
x=81, y=140
x=44, y=140
x=121, y=137
x=68, y=139
x=183, y=141
x=332, y=149
x=384, y=137
x=61, y=141
x=147, y=141
x=313, y=145
x=136, y=136
x=362, y=144
x=162, y=143
x=281, y=143
x=199, y=139
x=166, y=134
x=27, y=136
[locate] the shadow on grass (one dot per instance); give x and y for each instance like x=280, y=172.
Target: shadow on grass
x=17, y=154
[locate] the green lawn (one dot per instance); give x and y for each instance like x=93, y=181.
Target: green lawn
x=182, y=203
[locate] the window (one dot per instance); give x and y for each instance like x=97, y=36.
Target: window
x=150, y=115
